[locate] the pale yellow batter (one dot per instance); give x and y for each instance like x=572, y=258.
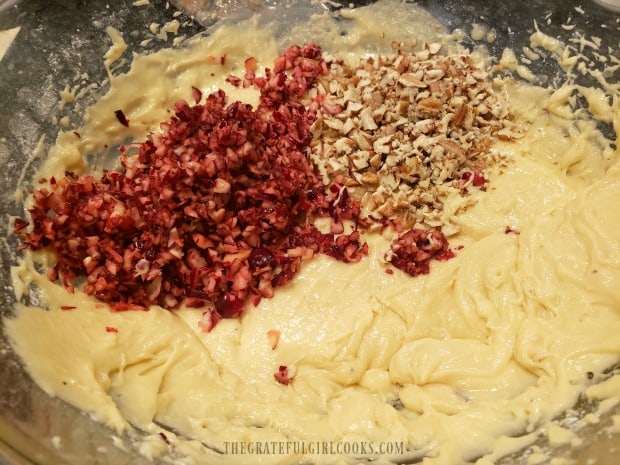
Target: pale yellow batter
x=495, y=342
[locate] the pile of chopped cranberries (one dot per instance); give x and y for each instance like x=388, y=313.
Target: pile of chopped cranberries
x=413, y=251
x=218, y=207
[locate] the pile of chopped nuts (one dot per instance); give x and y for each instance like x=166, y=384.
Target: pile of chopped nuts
x=409, y=128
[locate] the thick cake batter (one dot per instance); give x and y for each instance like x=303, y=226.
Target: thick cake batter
x=466, y=363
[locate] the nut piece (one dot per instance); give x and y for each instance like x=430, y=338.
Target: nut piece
x=368, y=121
x=370, y=179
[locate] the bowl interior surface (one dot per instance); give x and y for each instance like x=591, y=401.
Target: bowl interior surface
x=60, y=39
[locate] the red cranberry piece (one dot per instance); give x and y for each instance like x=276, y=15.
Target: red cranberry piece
x=228, y=305
x=479, y=180
x=260, y=258
x=120, y=116
x=282, y=375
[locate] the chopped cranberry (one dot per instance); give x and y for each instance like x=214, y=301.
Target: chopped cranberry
x=196, y=94
x=208, y=321
x=413, y=251
x=120, y=116
x=261, y=258
x=164, y=437
x=274, y=338
x=19, y=225
x=282, y=375
x=478, y=178
x=250, y=64
x=228, y=305
x=234, y=81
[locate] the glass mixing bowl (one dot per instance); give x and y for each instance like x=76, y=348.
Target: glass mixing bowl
x=56, y=42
